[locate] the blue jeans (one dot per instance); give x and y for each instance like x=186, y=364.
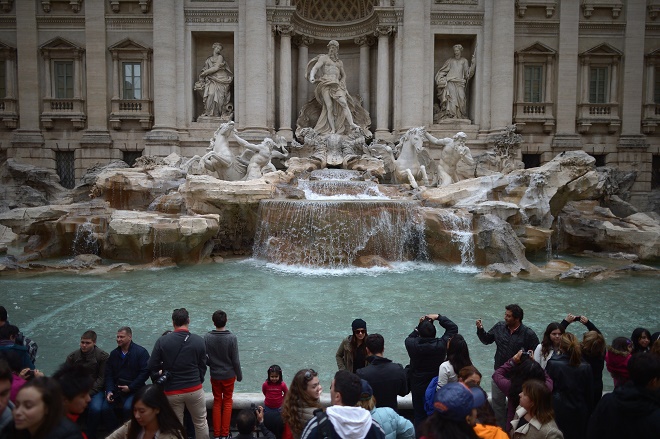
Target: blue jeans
x=95, y=414
x=100, y=410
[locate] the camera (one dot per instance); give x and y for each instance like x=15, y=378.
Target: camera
x=29, y=374
x=255, y=409
x=577, y=318
x=524, y=354
x=161, y=380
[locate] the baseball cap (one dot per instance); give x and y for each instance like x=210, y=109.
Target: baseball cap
x=455, y=400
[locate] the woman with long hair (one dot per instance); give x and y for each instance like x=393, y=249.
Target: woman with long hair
x=536, y=409
x=641, y=339
x=39, y=413
x=352, y=352
x=152, y=417
x=458, y=357
x=593, y=352
x=510, y=377
x=303, y=397
x=573, y=388
x=549, y=346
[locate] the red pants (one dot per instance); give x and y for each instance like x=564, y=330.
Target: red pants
x=223, y=391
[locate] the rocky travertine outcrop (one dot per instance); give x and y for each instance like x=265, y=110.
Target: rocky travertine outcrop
x=587, y=225
x=146, y=236
x=23, y=185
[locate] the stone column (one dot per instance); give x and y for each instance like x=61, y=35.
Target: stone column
x=116, y=73
x=363, y=42
x=567, y=67
x=97, y=81
x=413, y=58
x=633, y=153
x=303, y=58
x=163, y=139
x=502, y=73
x=383, y=83
x=521, y=81
x=285, y=81
x=10, y=68
x=632, y=98
x=28, y=136
x=549, y=79
x=256, y=45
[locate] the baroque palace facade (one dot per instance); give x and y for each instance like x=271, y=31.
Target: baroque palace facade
x=88, y=81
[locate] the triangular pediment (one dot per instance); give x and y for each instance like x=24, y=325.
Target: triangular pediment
x=655, y=53
x=4, y=46
x=128, y=44
x=60, y=43
x=604, y=50
x=537, y=49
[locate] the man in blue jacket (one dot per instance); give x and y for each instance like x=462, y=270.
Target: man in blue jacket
x=125, y=372
x=386, y=378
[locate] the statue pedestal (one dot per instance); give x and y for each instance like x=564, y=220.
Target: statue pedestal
x=217, y=120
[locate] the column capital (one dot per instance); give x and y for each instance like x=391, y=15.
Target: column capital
x=283, y=30
x=384, y=31
x=364, y=40
x=301, y=40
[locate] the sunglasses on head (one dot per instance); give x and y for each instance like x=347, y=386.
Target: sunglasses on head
x=275, y=369
x=309, y=374
x=360, y=331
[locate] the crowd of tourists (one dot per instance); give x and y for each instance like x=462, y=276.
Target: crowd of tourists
x=548, y=388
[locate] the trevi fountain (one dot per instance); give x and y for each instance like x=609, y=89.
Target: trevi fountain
x=295, y=239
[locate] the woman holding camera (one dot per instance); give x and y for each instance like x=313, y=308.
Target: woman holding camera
x=573, y=388
x=512, y=374
x=152, y=417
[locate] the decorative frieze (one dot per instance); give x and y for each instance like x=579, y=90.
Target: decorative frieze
x=457, y=19
x=588, y=7
x=457, y=2
x=129, y=22
x=211, y=16
x=60, y=21
x=329, y=32
x=537, y=28
x=280, y=15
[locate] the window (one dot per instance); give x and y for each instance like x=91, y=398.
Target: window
x=598, y=85
x=65, y=164
x=132, y=80
x=600, y=159
x=533, y=83
x=63, y=79
x=131, y=156
x=655, y=172
x=3, y=80
x=531, y=160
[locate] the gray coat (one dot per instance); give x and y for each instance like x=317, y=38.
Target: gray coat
x=222, y=351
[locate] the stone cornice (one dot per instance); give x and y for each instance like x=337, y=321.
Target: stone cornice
x=537, y=27
x=458, y=2
x=117, y=21
x=7, y=21
x=211, y=16
x=344, y=31
x=607, y=26
x=46, y=21
x=280, y=15
x=457, y=18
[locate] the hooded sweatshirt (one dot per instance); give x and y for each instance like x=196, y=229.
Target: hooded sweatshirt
x=630, y=411
x=347, y=423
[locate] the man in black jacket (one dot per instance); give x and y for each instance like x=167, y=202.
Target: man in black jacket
x=633, y=409
x=178, y=362
x=426, y=353
x=509, y=336
x=387, y=379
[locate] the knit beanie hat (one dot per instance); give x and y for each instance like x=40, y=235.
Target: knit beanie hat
x=359, y=323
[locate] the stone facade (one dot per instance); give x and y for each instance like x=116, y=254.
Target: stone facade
x=91, y=81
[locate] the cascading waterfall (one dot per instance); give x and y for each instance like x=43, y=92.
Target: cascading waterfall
x=85, y=240
x=460, y=227
x=339, y=221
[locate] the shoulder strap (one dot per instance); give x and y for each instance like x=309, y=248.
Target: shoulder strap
x=324, y=426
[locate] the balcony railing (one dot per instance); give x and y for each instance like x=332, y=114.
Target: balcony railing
x=535, y=113
x=140, y=110
x=651, y=118
x=72, y=109
x=8, y=113
x=598, y=114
